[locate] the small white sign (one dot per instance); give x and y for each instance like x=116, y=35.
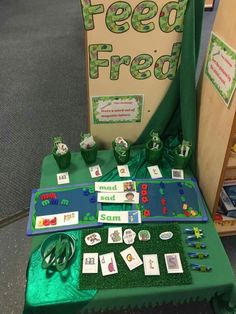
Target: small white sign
x=115, y=187
x=90, y=263
x=131, y=258
x=95, y=171
x=155, y=172
x=115, y=235
x=57, y=220
x=151, y=265
x=173, y=263
x=123, y=171
x=125, y=197
x=108, y=264
x=119, y=217
x=177, y=174
x=63, y=178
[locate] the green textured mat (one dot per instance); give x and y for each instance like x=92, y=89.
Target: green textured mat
x=136, y=278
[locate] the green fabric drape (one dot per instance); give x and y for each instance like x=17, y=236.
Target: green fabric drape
x=177, y=112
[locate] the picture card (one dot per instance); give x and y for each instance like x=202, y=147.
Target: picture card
x=177, y=174
x=119, y=217
x=131, y=258
x=151, y=265
x=124, y=197
x=95, y=171
x=123, y=171
x=108, y=264
x=155, y=172
x=115, y=187
x=57, y=220
x=173, y=263
x=63, y=178
x=115, y=235
x=90, y=263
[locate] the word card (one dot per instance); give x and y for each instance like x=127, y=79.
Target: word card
x=123, y=171
x=173, y=263
x=131, y=258
x=151, y=265
x=115, y=186
x=119, y=217
x=127, y=197
x=90, y=263
x=63, y=178
x=95, y=171
x=108, y=264
x=155, y=172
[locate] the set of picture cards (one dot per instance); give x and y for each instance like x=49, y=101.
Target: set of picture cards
x=62, y=208
x=138, y=256
x=170, y=200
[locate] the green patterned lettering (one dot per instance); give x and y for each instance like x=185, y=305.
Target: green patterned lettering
x=144, y=11
x=173, y=61
x=118, y=12
x=177, y=24
x=88, y=11
x=141, y=62
x=94, y=62
x=116, y=62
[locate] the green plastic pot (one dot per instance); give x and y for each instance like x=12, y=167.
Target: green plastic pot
x=89, y=155
x=153, y=155
x=181, y=162
x=63, y=161
x=121, y=159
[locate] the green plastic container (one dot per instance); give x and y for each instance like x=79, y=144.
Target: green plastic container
x=121, y=159
x=153, y=155
x=89, y=155
x=63, y=161
x=181, y=162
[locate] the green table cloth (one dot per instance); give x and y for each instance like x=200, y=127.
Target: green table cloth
x=60, y=294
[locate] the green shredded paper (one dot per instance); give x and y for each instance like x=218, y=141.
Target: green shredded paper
x=136, y=278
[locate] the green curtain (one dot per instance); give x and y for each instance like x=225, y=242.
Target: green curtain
x=176, y=117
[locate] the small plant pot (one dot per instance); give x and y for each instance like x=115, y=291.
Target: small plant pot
x=180, y=162
x=63, y=161
x=89, y=155
x=121, y=159
x=153, y=155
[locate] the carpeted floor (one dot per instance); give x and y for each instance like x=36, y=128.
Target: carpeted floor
x=42, y=90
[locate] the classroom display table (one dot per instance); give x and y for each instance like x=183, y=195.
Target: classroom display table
x=59, y=293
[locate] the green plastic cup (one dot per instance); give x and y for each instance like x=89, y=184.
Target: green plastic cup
x=89, y=155
x=121, y=159
x=63, y=161
x=181, y=162
x=153, y=155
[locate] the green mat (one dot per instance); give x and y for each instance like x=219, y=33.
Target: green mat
x=136, y=278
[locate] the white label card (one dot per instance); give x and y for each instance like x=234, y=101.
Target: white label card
x=155, y=172
x=108, y=264
x=151, y=265
x=95, y=171
x=124, y=197
x=131, y=258
x=57, y=220
x=119, y=217
x=115, y=187
x=115, y=235
x=123, y=171
x=177, y=174
x=63, y=178
x=173, y=263
x=90, y=263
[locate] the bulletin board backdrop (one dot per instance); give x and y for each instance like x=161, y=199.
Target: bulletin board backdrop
x=169, y=94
